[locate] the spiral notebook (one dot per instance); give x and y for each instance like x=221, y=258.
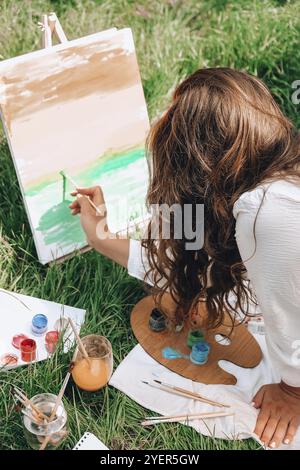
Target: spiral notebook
x=90, y=442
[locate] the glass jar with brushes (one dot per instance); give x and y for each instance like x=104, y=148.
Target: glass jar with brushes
x=37, y=429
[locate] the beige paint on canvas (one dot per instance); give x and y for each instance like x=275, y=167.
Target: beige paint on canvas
x=85, y=90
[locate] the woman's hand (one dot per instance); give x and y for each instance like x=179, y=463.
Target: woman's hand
x=279, y=415
x=94, y=224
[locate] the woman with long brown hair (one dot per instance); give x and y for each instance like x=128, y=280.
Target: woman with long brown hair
x=224, y=143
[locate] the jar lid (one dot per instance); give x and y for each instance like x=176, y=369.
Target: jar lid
x=9, y=359
x=17, y=340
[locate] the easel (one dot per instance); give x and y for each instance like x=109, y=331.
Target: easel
x=50, y=25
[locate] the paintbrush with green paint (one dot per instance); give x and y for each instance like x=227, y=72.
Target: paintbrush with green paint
x=76, y=186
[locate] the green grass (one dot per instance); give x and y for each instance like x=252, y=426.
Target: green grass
x=173, y=38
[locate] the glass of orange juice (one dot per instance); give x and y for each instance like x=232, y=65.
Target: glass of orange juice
x=93, y=374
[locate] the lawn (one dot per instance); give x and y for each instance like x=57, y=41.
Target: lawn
x=173, y=38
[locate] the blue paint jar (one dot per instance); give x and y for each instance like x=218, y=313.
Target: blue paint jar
x=39, y=324
x=200, y=352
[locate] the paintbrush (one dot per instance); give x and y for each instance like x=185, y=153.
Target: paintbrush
x=194, y=395
x=22, y=397
x=161, y=387
x=79, y=342
x=57, y=403
x=183, y=418
x=183, y=393
x=31, y=417
x=76, y=186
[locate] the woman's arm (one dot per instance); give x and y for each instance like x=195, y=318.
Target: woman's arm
x=273, y=266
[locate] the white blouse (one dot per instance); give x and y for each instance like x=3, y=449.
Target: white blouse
x=272, y=263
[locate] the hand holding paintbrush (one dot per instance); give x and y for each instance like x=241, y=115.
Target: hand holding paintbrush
x=98, y=210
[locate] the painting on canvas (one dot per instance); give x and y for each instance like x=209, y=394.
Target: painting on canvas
x=77, y=107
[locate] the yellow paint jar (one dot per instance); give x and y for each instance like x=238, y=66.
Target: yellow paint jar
x=93, y=374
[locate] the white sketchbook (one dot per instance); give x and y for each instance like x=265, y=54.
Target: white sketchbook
x=90, y=442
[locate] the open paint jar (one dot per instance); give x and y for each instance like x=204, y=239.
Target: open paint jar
x=62, y=324
x=28, y=350
x=39, y=324
x=157, y=321
x=93, y=374
x=51, y=340
x=56, y=429
x=194, y=337
x=200, y=352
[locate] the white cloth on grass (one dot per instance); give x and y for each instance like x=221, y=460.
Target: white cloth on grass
x=138, y=366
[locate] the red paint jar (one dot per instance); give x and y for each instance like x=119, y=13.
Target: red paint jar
x=51, y=341
x=28, y=350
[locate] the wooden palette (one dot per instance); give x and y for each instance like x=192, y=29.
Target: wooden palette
x=243, y=350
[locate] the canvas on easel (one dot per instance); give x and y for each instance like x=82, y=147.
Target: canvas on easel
x=79, y=107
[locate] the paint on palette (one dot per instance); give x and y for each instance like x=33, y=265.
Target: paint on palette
x=171, y=353
x=78, y=106
x=198, y=356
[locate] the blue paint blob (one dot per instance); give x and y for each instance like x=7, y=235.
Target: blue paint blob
x=39, y=324
x=200, y=352
x=170, y=353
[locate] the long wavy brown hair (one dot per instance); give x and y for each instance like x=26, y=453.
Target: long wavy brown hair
x=222, y=135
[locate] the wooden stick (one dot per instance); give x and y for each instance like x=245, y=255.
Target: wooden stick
x=208, y=413
x=166, y=389
x=196, y=396
x=59, y=396
x=22, y=397
x=31, y=417
x=56, y=27
x=184, y=418
x=57, y=403
x=47, y=36
x=79, y=342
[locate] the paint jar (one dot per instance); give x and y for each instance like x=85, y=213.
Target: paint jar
x=39, y=324
x=28, y=350
x=51, y=340
x=57, y=429
x=93, y=374
x=200, y=352
x=62, y=324
x=194, y=337
x=157, y=321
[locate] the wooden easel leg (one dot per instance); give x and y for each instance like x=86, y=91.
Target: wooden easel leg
x=46, y=32
x=50, y=25
x=56, y=27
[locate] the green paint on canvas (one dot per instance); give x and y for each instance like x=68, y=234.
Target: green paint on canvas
x=119, y=171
